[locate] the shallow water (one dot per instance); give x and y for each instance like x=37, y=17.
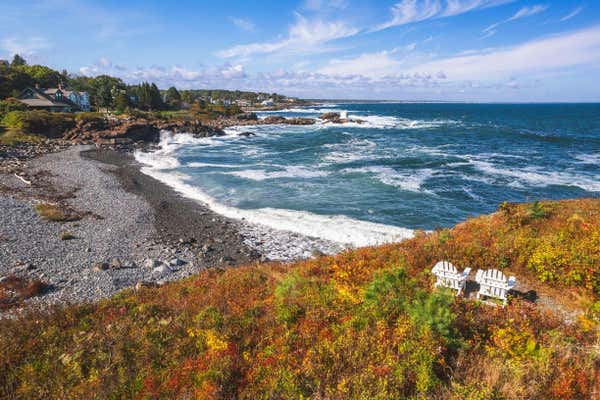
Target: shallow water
x=408, y=166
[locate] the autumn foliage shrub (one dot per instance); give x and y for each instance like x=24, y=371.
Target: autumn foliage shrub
x=365, y=324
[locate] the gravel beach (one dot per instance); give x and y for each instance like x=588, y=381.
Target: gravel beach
x=134, y=230
x=122, y=240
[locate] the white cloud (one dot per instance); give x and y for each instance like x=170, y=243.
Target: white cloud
x=242, y=23
x=372, y=65
x=522, y=13
x=24, y=47
x=540, y=55
x=409, y=11
x=303, y=36
x=369, y=64
x=572, y=14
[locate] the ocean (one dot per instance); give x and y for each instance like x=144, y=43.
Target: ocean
x=406, y=167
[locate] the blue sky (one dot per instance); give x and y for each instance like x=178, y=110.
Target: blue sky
x=471, y=50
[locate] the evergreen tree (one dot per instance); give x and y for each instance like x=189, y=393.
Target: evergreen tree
x=18, y=61
x=122, y=102
x=156, y=101
x=173, y=98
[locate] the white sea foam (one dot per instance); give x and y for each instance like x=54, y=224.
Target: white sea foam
x=535, y=177
x=407, y=180
x=212, y=165
x=352, y=150
x=292, y=171
x=334, y=228
x=584, y=158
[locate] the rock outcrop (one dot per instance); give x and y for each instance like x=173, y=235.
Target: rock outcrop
x=336, y=118
x=102, y=131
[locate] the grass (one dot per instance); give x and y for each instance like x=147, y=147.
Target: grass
x=55, y=213
x=14, y=289
x=364, y=324
x=13, y=137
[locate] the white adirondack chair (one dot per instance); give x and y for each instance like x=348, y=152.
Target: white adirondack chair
x=448, y=276
x=493, y=283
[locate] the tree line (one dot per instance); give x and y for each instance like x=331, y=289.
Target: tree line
x=108, y=92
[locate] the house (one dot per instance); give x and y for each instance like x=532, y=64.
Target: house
x=267, y=102
x=55, y=99
x=243, y=103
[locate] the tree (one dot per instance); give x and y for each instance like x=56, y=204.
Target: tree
x=156, y=98
x=173, y=98
x=122, y=102
x=103, y=88
x=18, y=61
x=41, y=75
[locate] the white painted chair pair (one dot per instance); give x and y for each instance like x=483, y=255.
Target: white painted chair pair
x=492, y=282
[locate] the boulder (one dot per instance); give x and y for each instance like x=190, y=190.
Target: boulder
x=247, y=117
x=330, y=116
x=100, y=267
x=150, y=263
x=176, y=262
x=274, y=119
x=301, y=121
x=162, y=269
x=141, y=284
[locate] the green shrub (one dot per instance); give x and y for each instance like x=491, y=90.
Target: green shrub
x=389, y=293
x=537, y=210
x=9, y=105
x=434, y=311
x=288, y=308
x=39, y=122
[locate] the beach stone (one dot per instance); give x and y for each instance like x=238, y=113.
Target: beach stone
x=150, y=263
x=176, y=262
x=100, y=267
x=316, y=253
x=142, y=284
x=163, y=269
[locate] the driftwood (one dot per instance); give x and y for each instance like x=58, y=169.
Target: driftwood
x=25, y=181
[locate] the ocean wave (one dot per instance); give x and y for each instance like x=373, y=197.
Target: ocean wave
x=350, y=151
x=389, y=122
x=335, y=228
x=212, y=165
x=584, y=158
x=288, y=172
x=409, y=180
x=535, y=177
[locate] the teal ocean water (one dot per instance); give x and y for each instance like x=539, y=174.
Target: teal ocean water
x=408, y=166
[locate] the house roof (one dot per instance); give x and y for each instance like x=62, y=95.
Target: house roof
x=45, y=99
x=52, y=91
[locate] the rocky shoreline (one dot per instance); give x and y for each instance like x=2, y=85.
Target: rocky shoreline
x=125, y=229
x=130, y=230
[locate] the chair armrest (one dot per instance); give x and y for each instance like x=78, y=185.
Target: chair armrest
x=512, y=281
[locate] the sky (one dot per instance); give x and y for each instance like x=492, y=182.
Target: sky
x=450, y=50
